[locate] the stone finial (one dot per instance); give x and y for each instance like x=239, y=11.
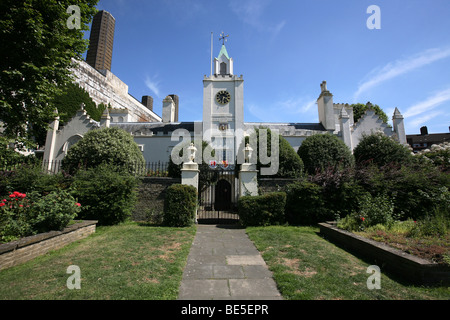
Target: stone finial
x=344, y=114
x=397, y=114
x=323, y=86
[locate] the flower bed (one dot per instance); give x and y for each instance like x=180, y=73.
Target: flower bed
x=407, y=266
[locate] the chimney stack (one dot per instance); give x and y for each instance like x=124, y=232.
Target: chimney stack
x=424, y=131
x=147, y=101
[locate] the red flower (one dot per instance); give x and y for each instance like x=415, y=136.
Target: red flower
x=362, y=218
x=78, y=204
x=1, y=204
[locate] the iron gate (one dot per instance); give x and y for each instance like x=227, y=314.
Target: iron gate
x=218, y=196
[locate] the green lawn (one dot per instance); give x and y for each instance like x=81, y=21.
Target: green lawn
x=128, y=261
x=135, y=262
x=306, y=266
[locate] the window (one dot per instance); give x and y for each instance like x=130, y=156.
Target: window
x=223, y=68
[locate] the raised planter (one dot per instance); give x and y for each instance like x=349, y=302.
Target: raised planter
x=17, y=252
x=404, y=265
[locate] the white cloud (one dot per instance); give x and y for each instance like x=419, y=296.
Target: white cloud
x=422, y=119
x=428, y=104
x=153, y=85
x=400, y=67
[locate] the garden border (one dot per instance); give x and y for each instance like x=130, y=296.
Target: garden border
x=406, y=266
x=25, y=249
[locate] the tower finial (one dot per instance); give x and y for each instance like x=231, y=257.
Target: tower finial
x=223, y=37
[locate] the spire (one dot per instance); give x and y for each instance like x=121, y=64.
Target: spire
x=223, y=51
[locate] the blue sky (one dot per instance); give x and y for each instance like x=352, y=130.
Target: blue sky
x=285, y=49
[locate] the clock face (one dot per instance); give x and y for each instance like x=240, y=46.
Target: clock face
x=223, y=97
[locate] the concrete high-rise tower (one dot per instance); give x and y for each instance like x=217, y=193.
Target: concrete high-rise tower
x=101, y=41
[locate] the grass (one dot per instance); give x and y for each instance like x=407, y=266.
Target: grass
x=132, y=261
x=307, y=267
x=124, y=262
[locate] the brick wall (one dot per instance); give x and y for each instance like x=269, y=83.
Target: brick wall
x=150, y=205
x=23, y=250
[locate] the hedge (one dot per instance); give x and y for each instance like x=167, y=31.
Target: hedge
x=262, y=210
x=180, y=206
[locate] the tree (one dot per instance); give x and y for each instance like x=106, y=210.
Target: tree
x=108, y=145
x=359, y=109
x=323, y=151
x=380, y=150
x=37, y=51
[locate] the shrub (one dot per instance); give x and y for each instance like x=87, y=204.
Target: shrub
x=107, y=145
x=305, y=204
x=373, y=212
x=54, y=211
x=30, y=178
x=180, y=205
x=23, y=214
x=381, y=150
x=107, y=193
x=322, y=151
x=262, y=210
x=416, y=188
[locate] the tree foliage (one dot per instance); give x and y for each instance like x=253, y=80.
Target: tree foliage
x=322, y=151
x=359, y=109
x=381, y=150
x=35, y=60
x=68, y=102
x=107, y=145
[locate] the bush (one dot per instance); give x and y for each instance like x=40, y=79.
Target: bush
x=107, y=193
x=28, y=178
x=23, y=214
x=180, y=206
x=107, y=145
x=415, y=188
x=381, y=150
x=262, y=210
x=305, y=204
x=54, y=211
x=374, y=211
x=323, y=151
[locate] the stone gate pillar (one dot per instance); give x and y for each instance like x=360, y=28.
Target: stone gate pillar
x=248, y=176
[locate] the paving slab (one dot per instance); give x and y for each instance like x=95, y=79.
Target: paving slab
x=224, y=264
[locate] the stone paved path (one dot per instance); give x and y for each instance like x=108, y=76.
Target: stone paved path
x=224, y=264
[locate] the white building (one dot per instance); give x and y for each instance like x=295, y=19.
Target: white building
x=223, y=118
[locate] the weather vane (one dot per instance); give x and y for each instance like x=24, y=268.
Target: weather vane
x=223, y=37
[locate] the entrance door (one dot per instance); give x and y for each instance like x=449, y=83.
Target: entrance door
x=222, y=195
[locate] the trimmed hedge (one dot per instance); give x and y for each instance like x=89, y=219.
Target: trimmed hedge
x=180, y=206
x=305, y=204
x=107, y=194
x=262, y=210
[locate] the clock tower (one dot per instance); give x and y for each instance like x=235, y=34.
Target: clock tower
x=223, y=107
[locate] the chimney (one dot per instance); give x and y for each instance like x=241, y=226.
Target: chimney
x=423, y=131
x=147, y=101
x=176, y=100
